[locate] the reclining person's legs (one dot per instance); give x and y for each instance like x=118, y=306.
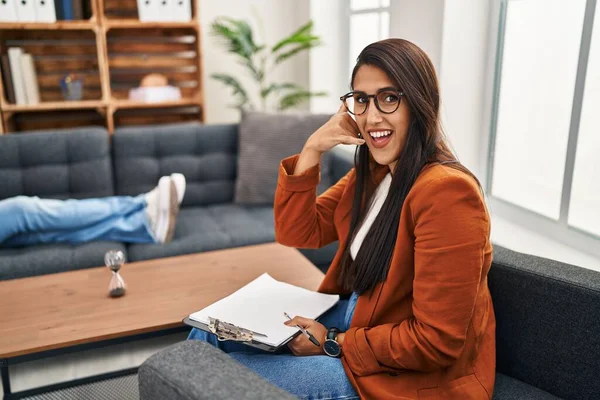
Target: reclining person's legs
x=125, y=221
x=22, y=214
x=146, y=218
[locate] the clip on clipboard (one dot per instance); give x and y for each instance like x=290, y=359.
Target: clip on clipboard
x=254, y=315
x=226, y=331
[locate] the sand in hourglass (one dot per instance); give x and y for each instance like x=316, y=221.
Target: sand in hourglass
x=114, y=260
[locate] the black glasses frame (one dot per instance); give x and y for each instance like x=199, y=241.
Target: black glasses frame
x=374, y=97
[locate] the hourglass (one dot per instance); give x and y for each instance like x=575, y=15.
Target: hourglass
x=114, y=259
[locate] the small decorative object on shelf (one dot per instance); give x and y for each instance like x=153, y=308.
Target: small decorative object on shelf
x=72, y=87
x=155, y=88
x=114, y=259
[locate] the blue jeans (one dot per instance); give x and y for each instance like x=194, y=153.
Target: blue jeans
x=311, y=377
x=31, y=220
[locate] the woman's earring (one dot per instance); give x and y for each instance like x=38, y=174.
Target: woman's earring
x=359, y=135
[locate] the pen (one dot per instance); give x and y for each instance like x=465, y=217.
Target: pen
x=307, y=333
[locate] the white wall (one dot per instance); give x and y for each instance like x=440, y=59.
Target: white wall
x=420, y=22
x=280, y=18
x=328, y=62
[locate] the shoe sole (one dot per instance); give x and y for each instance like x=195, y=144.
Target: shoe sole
x=164, y=204
x=173, y=212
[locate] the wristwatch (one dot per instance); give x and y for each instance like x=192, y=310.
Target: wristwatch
x=331, y=346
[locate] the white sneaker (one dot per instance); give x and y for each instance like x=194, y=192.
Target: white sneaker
x=153, y=203
x=179, y=181
x=169, y=209
x=163, y=207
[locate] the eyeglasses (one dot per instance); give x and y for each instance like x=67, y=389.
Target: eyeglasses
x=386, y=100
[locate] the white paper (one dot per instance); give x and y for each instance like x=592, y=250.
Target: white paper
x=259, y=307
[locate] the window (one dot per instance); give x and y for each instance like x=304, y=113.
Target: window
x=584, y=210
x=369, y=22
x=544, y=146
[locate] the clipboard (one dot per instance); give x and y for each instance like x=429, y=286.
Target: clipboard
x=254, y=314
x=226, y=331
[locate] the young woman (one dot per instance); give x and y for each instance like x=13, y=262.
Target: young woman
x=414, y=249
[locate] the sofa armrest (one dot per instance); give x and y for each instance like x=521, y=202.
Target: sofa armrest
x=197, y=370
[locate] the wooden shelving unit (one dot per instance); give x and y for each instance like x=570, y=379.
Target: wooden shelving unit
x=111, y=51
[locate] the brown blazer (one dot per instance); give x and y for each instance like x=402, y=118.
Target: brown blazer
x=428, y=331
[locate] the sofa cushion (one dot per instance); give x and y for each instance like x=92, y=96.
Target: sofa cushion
x=211, y=228
x=264, y=140
x=51, y=258
x=66, y=163
x=205, y=154
x=546, y=323
x=507, y=388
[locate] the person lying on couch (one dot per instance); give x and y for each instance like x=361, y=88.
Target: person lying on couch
x=146, y=218
x=414, y=250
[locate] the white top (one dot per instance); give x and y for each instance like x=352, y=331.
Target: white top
x=378, y=199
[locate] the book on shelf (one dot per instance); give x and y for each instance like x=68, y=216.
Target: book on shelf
x=48, y=11
x=164, y=10
x=9, y=89
x=27, y=11
x=32, y=91
x=45, y=11
x=20, y=77
x=70, y=10
x=14, y=58
x=8, y=11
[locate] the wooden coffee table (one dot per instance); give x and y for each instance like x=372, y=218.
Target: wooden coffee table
x=53, y=314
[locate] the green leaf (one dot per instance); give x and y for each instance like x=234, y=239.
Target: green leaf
x=254, y=70
x=296, y=98
x=238, y=89
x=237, y=35
x=304, y=46
x=301, y=35
x=275, y=87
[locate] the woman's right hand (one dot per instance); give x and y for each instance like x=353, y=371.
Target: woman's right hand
x=340, y=129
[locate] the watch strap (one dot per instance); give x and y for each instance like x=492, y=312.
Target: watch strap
x=332, y=333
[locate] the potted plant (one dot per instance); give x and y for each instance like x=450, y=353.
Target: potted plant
x=261, y=60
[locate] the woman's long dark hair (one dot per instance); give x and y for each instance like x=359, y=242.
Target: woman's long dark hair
x=412, y=72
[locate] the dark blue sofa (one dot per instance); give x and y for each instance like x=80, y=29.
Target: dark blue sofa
x=547, y=342
x=87, y=162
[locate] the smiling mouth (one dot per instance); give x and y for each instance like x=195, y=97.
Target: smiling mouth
x=380, y=138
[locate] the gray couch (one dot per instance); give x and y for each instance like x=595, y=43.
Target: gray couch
x=84, y=162
x=547, y=342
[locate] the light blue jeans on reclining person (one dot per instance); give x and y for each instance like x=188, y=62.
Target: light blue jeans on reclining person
x=31, y=220
x=310, y=377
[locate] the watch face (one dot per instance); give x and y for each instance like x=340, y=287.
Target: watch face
x=332, y=348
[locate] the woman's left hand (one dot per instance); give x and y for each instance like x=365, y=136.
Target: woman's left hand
x=301, y=344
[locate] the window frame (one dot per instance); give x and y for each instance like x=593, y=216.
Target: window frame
x=349, y=13
x=558, y=230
